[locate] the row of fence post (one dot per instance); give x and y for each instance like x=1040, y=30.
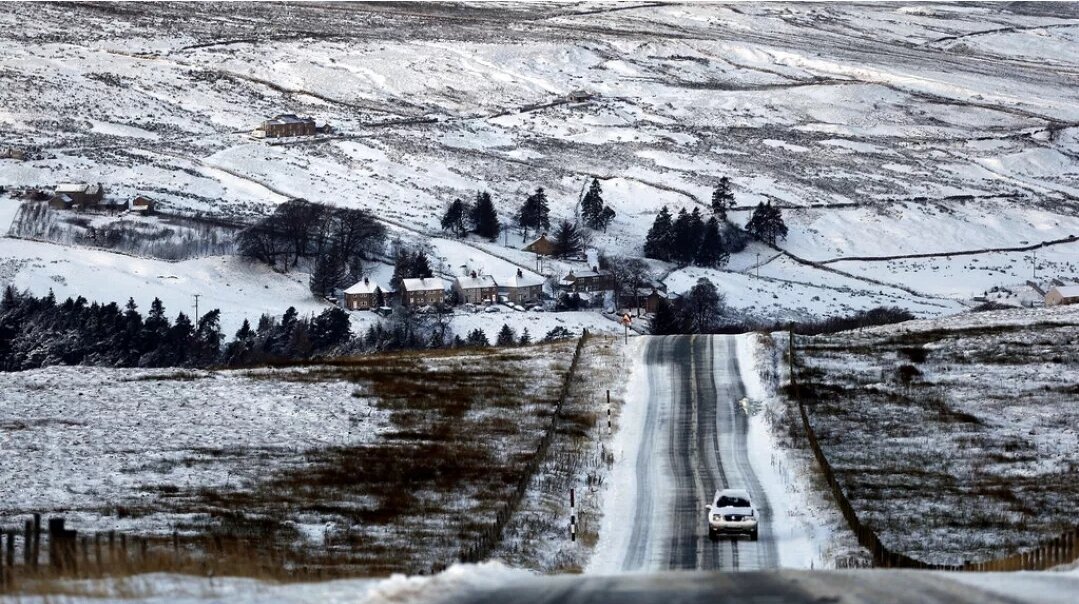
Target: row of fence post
x=67, y=553
x=492, y=535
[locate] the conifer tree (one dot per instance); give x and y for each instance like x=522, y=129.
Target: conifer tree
x=483, y=217
x=722, y=198
x=526, y=338
x=592, y=203
x=596, y=214
x=329, y=274
x=476, y=337
x=453, y=220
x=766, y=223
x=506, y=336
x=534, y=213
x=606, y=216
x=567, y=240
x=712, y=251
x=658, y=243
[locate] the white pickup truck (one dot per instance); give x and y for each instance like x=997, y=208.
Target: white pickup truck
x=732, y=513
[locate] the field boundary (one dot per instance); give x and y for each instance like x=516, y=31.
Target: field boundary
x=1062, y=549
x=492, y=536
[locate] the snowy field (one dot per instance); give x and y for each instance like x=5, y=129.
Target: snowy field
x=881, y=129
x=967, y=424
x=338, y=460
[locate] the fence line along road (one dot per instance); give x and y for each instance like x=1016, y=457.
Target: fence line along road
x=1062, y=549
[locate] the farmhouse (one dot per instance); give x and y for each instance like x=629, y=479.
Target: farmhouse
x=647, y=298
x=578, y=96
x=142, y=205
x=364, y=295
x=522, y=289
x=82, y=195
x=287, y=124
x=541, y=246
x=476, y=289
x=422, y=292
x=594, y=280
x=1062, y=294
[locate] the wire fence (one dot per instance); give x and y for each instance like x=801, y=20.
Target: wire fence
x=1062, y=549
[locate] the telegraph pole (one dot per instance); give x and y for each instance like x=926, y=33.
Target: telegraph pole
x=758, y=265
x=197, y=308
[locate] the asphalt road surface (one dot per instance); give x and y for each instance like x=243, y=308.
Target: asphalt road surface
x=695, y=437
x=752, y=587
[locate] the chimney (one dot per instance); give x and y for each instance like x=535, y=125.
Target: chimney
x=520, y=273
x=595, y=269
x=365, y=282
x=473, y=274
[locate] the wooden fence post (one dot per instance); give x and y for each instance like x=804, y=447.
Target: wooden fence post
x=11, y=549
x=28, y=545
x=37, y=541
x=97, y=551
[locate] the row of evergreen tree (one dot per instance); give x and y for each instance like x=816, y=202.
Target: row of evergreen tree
x=534, y=215
x=689, y=239
x=37, y=332
x=40, y=332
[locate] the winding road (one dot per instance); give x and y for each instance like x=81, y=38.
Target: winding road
x=694, y=443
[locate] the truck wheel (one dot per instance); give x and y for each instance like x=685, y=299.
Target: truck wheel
x=712, y=535
x=753, y=535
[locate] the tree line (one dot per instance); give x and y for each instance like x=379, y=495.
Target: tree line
x=479, y=217
x=41, y=331
x=688, y=238
x=702, y=310
x=332, y=242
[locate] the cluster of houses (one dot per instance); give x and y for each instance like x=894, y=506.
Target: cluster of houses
x=522, y=289
x=472, y=289
x=87, y=196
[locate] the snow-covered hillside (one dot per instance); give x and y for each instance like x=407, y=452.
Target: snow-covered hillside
x=881, y=130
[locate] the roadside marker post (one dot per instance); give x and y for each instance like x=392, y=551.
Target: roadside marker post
x=572, y=516
x=608, y=412
x=625, y=321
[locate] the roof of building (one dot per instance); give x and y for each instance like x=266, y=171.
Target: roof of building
x=73, y=187
x=476, y=282
x=587, y=274
x=1067, y=291
x=423, y=285
x=289, y=118
x=542, y=238
x=366, y=286
x=522, y=279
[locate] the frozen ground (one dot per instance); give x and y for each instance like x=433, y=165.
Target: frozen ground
x=337, y=461
x=967, y=424
x=882, y=129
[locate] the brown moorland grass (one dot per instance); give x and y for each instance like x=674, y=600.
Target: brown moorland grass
x=464, y=427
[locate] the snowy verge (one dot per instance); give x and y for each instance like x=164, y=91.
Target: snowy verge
x=455, y=581
x=1042, y=587
x=804, y=523
x=619, y=497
